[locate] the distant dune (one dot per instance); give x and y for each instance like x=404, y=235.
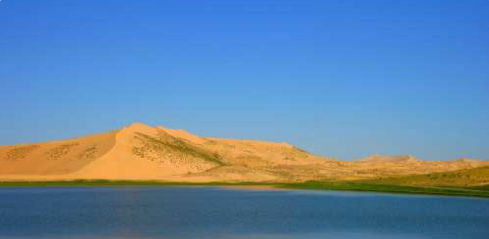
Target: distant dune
x=141, y=152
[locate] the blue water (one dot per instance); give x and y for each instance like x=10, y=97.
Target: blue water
x=211, y=212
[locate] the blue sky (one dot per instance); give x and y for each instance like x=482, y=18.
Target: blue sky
x=338, y=78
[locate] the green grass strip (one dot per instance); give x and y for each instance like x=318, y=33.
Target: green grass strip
x=311, y=185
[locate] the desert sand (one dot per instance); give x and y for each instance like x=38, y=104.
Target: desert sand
x=142, y=152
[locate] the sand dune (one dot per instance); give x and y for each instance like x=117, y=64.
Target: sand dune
x=141, y=152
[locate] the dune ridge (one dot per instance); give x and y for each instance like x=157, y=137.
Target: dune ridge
x=142, y=152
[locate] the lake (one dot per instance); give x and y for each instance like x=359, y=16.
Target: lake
x=213, y=212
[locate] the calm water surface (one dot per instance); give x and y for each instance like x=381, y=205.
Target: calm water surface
x=209, y=212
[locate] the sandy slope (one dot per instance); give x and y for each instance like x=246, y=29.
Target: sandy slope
x=141, y=152
x=56, y=157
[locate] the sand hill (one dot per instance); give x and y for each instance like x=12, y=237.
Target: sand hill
x=141, y=152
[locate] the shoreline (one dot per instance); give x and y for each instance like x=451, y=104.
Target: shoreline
x=313, y=185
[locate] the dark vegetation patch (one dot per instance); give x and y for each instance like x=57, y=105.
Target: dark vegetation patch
x=458, y=178
x=88, y=153
x=60, y=151
x=164, y=145
x=387, y=188
x=21, y=152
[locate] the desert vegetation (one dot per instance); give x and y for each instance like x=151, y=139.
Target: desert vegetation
x=88, y=153
x=166, y=148
x=459, y=178
x=309, y=185
x=21, y=152
x=61, y=150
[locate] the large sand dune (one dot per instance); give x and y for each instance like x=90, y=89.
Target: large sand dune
x=141, y=152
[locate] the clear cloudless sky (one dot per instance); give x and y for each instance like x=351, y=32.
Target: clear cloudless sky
x=340, y=78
